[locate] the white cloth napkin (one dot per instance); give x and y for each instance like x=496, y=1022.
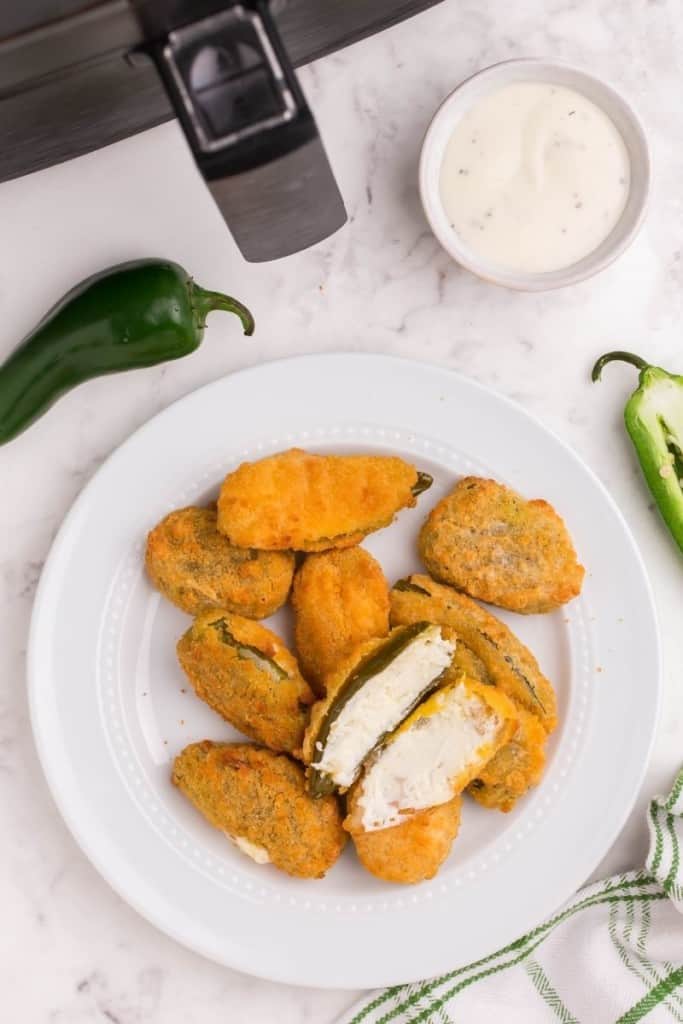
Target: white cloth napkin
x=612, y=955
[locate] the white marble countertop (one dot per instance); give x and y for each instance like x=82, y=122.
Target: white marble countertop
x=72, y=951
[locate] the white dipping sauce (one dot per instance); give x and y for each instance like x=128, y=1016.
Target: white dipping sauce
x=534, y=177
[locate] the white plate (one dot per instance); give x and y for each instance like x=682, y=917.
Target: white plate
x=110, y=706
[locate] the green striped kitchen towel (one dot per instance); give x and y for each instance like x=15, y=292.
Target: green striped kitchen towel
x=612, y=955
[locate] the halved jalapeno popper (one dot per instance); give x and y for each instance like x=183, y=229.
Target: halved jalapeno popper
x=433, y=755
x=500, y=660
x=511, y=666
x=259, y=800
x=244, y=672
x=304, y=502
x=518, y=765
x=367, y=697
x=196, y=567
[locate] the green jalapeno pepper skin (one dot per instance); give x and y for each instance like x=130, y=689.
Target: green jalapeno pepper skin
x=407, y=586
x=654, y=421
x=423, y=483
x=133, y=315
x=247, y=652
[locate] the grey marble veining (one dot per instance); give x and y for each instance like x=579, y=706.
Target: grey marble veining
x=72, y=951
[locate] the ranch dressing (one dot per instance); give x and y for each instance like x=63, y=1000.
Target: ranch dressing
x=534, y=177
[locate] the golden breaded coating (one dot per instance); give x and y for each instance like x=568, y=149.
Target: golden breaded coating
x=510, y=665
x=304, y=502
x=515, y=768
x=245, y=673
x=259, y=800
x=489, y=542
x=465, y=662
x=340, y=599
x=412, y=851
x=197, y=568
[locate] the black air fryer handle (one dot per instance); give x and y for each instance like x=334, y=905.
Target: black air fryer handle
x=230, y=81
x=246, y=119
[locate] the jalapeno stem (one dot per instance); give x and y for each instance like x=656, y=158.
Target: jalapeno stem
x=423, y=483
x=622, y=357
x=205, y=301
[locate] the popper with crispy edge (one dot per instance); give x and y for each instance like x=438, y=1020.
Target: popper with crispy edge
x=511, y=666
x=412, y=851
x=367, y=697
x=433, y=755
x=259, y=800
x=196, y=567
x=493, y=544
x=340, y=600
x=305, y=502
x=245, y=673
x=515, y=768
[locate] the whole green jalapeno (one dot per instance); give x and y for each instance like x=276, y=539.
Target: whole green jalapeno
x=132, y=315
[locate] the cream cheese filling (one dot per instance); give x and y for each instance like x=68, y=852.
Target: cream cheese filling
x=421, y=763
x=382, y=703
x=253, y=850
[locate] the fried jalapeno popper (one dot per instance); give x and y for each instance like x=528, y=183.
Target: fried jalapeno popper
x=367, y=697
x=340, y=600
x=515, y=768
x=518, y=765
x=259, y=800
x=196, y=567
x=244, y=672
x=303, y=502
x=489, y=542
x=511, y=666
x=412, y=851
x=434, y=754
